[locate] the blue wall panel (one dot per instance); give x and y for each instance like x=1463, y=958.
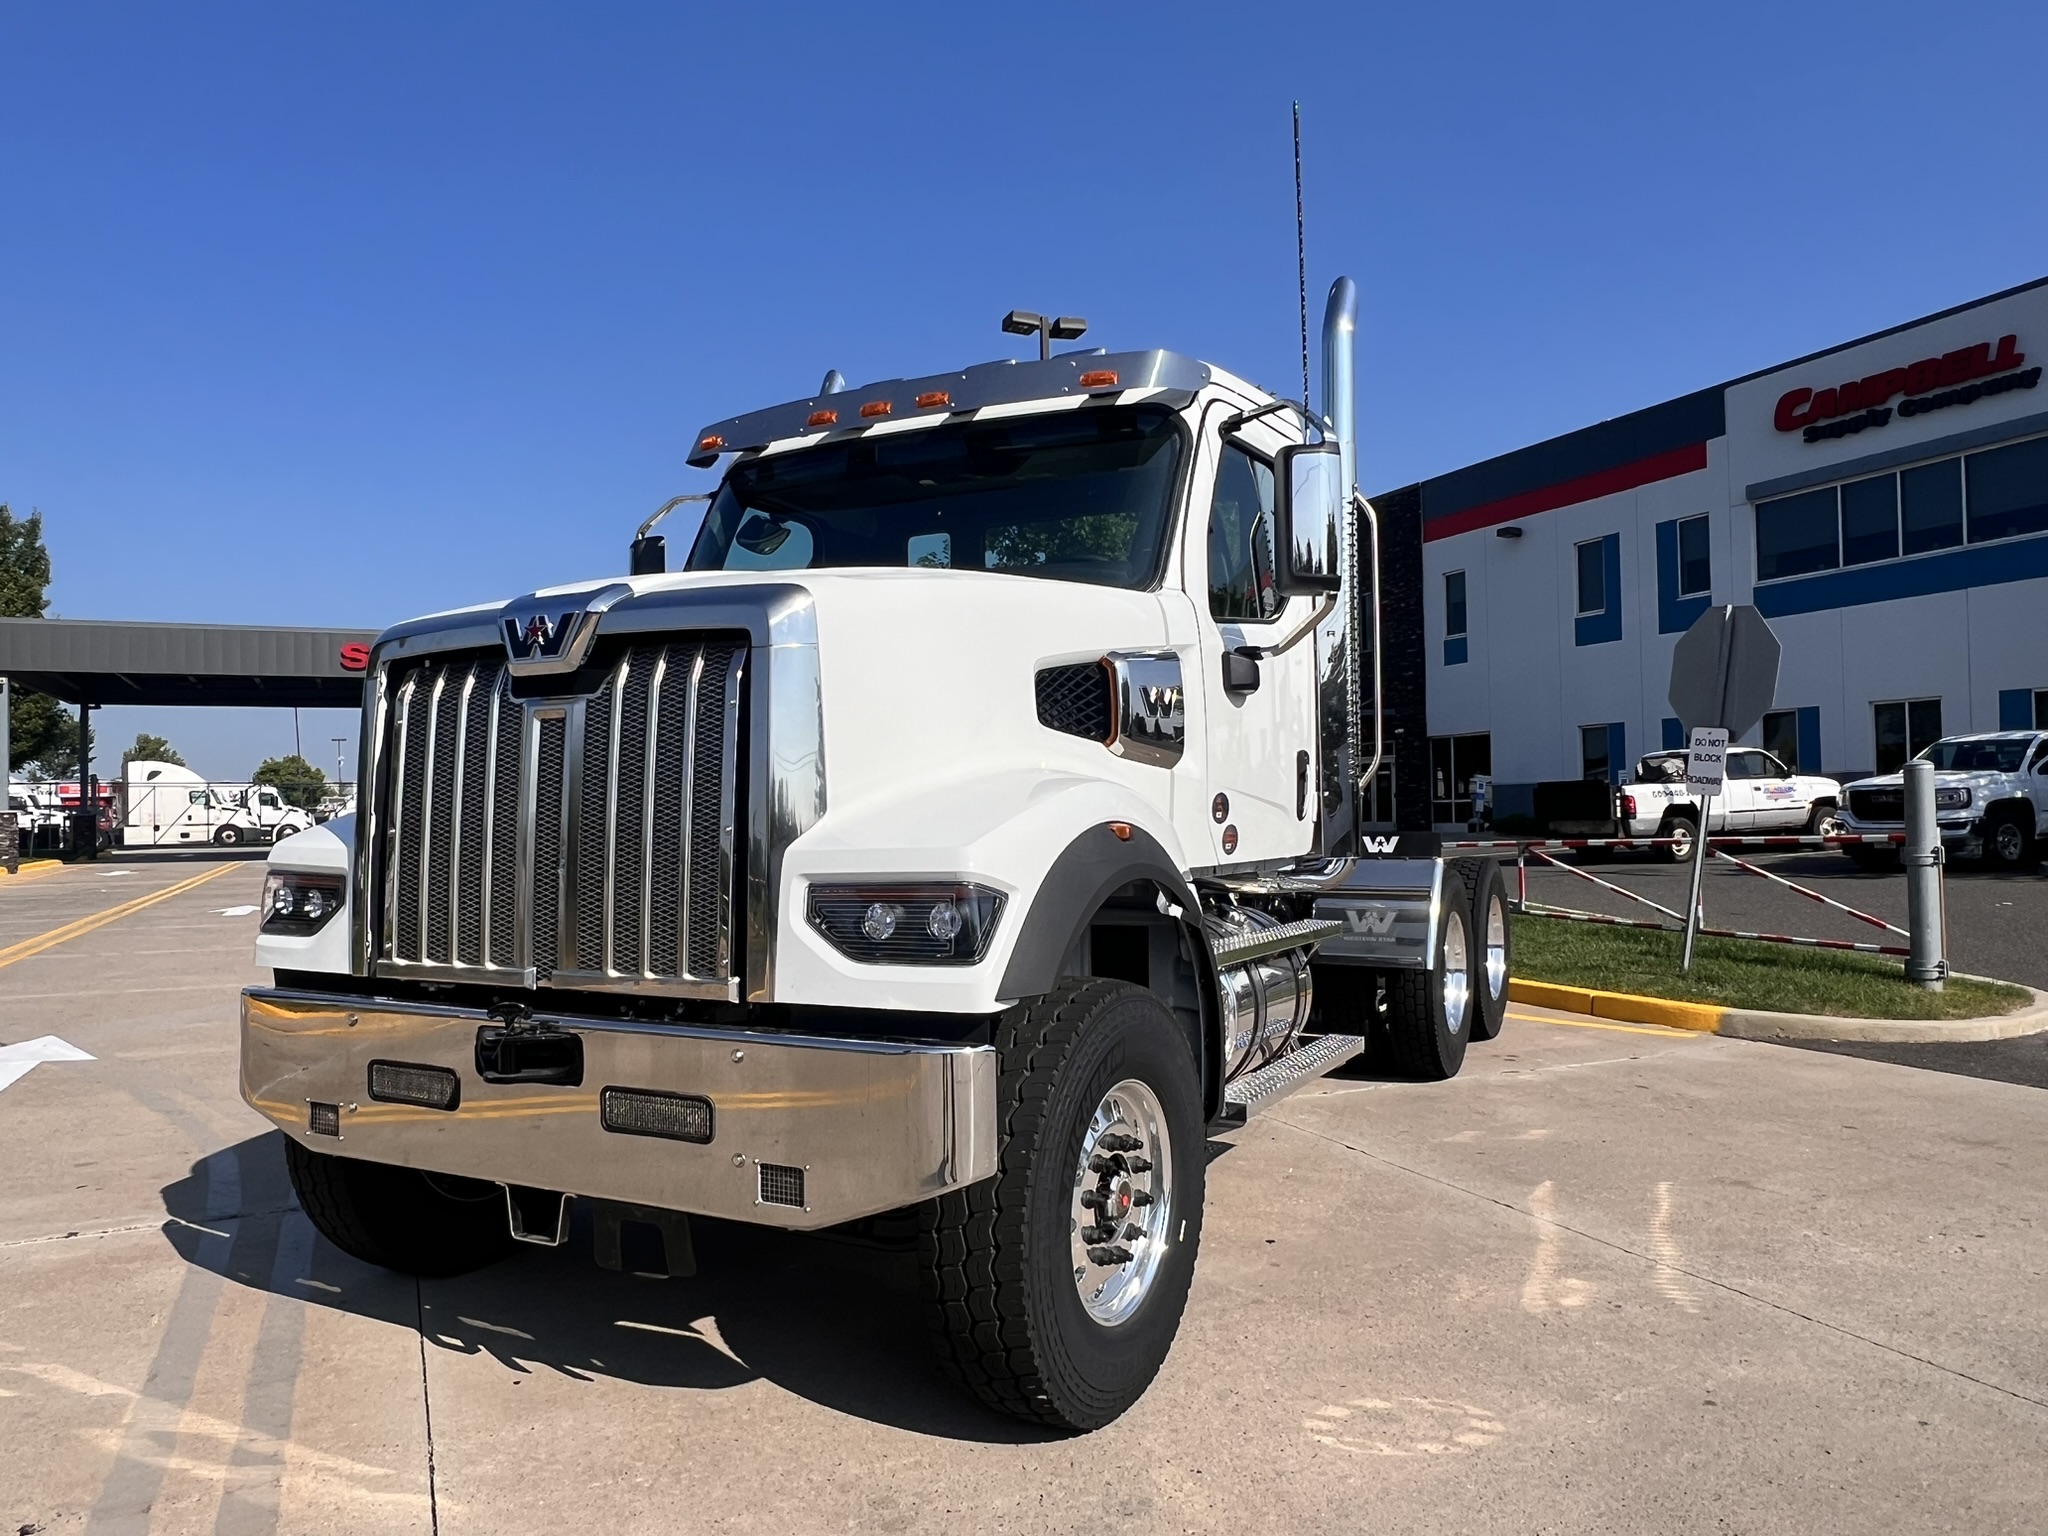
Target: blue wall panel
x=1809, y=739
x=1981, y=565
x=2015, y=709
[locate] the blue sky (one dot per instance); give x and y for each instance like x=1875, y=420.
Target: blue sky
x=337, y=314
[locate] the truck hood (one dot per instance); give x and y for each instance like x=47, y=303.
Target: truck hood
x=1975, y=779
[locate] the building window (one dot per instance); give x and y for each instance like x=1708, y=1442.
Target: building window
x=2009, y=491
x=1673, y=733
x=1870, y=520
x=1454, y=761
x=1592, y=578
x=1454, y=618
x=1792, y=736
x=1797, y=535
x=2001, y=493
x=2023, y=709
x=1599, y=584
x=1904, y=728
x=1695, y=562
x=1602, y=751
x=1931, y=499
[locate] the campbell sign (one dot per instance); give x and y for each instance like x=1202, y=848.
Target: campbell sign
x=1954, y=378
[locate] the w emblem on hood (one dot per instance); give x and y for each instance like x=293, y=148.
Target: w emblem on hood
x=535, y=636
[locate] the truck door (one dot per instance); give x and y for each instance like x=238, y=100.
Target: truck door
x=1741, y=790
x=1775, y=796
x=1260, y=722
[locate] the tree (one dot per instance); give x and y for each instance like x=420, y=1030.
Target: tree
x=152, y=749
x=41, y=733
x=298, y=781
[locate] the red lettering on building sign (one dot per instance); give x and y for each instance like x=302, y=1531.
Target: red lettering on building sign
x=355, y=657
x=1803, y=407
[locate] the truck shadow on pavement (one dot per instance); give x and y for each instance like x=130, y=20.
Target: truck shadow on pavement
x=833, y=1320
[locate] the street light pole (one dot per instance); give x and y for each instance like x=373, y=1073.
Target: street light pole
x=1047, y=328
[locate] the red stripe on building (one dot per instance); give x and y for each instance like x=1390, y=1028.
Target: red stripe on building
x=1624, y=477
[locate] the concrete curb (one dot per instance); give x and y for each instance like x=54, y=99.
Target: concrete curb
x=1757, y=1024
x=33, y=868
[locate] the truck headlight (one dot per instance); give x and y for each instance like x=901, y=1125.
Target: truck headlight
x=299, y=903
x=1951, y=799
x=913, y=923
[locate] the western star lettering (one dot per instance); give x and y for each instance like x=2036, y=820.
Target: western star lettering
x=1866, y=402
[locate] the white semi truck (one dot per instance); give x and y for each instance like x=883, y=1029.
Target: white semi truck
x=968, y=831
x=166, y=804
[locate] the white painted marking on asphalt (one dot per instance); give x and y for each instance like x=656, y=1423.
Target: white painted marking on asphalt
x=241, y=911
x=1404, y=1426
x=17, y=1061
x=110, y=873
x=1543, y=1291
x=1670, y=1283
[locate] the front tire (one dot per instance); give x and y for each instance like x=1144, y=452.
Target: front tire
x=1037, y=1313
x=400, y=1218
x=1825, y=821
x=228, y=837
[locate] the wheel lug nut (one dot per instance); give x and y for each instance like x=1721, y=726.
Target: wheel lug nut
x=1132, y=1232
x=1093, y=1199
x=1139, y=1165
x=1140, y=1197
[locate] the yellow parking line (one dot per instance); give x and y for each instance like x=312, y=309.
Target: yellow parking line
x=84, y=925
x=1625, y=1029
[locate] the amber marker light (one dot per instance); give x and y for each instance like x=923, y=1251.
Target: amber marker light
x=1122, y=829
x=822, y=419
x=1099, y=378
x=933, y=397
x=875, y=408
x=710, y=443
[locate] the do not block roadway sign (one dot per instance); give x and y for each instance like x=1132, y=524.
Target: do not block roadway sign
x=1706, y=759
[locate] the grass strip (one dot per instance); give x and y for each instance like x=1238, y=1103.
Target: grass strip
x=1738, y=973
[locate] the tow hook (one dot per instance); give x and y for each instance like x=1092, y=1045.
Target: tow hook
x=520, y=1049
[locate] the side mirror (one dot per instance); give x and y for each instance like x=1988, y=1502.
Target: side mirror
x=1308, y=493
x=649, y=555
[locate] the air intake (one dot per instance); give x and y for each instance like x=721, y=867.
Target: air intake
x=781, y=1186
x=1075, y=700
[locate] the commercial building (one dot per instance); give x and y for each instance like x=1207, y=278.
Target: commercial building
x=1883, y=503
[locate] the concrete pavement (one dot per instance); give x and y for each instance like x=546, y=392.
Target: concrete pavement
x=1612, y=1278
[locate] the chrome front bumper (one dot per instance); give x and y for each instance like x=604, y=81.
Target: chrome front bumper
x=873, y=1125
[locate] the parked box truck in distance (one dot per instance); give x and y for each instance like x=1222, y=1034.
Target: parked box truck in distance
x=167, y=804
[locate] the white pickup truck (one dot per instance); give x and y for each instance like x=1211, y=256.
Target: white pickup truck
x=1990, y=800
x=1760, y=794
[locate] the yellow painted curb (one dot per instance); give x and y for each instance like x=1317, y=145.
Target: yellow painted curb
x=1623, y=1006
x=31, y=869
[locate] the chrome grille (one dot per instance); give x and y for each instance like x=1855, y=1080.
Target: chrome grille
x=589, y=840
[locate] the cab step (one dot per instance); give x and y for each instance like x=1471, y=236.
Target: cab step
x=1266, y=1087
x=1271, y=941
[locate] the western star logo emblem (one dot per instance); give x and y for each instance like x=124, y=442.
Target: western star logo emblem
x=536, y=637
x=1371, y=924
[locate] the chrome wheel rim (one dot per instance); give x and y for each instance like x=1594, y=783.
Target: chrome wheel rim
x=1128, y=1189
x=1457, y=974
x=1496, y=947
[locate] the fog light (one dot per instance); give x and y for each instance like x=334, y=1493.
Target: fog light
x=323, y=1119
x=945, y=922
x=638, y=1112
x=404, y=1082
x=880, y=922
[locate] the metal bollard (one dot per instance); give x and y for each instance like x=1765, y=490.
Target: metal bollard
x=1927, y=963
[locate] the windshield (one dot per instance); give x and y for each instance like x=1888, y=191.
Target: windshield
x=1077, y=495
x=1977, y=756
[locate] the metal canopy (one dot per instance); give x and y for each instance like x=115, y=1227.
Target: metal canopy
x=90, y=661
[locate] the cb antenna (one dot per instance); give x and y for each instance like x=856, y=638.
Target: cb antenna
x=1301, y=270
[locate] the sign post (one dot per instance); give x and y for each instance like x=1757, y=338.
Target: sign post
x=1706, y=761
x=1724, y=673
